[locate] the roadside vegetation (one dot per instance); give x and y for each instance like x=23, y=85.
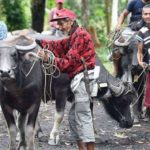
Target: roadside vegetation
x=20, y=14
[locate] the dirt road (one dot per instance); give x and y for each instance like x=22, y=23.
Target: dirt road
x=109, y=135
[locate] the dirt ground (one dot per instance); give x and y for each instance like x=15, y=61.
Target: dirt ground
x=109, y=136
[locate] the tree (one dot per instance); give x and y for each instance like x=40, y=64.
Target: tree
x=108, y=4
x=114, y=16
x=85, y=12
x=38, y=12
x=13, y=11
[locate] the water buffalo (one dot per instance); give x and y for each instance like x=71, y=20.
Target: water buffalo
x=21, y=83
x=125, y=45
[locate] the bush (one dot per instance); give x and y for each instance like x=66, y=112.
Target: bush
x=15, y=14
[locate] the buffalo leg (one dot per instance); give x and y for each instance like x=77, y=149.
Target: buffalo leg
x=54, y=135
x=38, y=130
x=8, y=114
x=31, y=121
x=21, y=126
x=59, y=114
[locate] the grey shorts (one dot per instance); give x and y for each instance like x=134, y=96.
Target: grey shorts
x=80, y=117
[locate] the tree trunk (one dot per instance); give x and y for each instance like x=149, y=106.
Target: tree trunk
x=85, y=13
x=37, y=11
x=114, y=16
x=108, y=4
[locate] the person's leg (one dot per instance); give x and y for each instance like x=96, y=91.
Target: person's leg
x=83, y=117
x=72, y=122
x=80, y=119
x=147, y=97
x=81, y=145
x=90, y=146
x=85, y=146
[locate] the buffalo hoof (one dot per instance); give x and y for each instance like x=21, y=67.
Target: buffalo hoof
x=18, y=137
x=39, y=134
x=55, y=141
x=136, y=120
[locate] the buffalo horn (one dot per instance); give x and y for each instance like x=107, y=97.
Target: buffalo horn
x=107, y=94
x=116, y=90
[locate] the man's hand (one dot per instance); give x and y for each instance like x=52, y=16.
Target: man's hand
x=143, y=64
x=118, y=27
x=44, y=56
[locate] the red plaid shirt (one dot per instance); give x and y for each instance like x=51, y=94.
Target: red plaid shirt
x=69, y=52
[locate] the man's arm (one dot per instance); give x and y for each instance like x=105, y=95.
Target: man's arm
x=140, y=55
x=121, y=19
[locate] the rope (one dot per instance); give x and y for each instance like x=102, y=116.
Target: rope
x=49, y=68
x=26, y=75
x=144, y=70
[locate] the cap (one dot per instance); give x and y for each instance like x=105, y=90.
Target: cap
x=64, y=13
x=59, y=1
x=3, y=30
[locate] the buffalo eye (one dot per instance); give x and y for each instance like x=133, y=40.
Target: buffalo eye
x=14, y=55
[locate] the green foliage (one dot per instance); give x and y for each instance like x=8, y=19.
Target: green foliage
x=123, y=5
x=17, y=14
x=13, y=10
x=97, y=19
x=50, y=4
x=103, y=53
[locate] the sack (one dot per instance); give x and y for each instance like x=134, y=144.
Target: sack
x=137, y=25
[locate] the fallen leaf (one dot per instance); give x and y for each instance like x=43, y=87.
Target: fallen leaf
x=137, y=125
x=67, y=143
x=140, y=142
x=120, y=135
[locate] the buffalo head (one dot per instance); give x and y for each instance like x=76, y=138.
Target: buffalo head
x=12, y=54
x=117, y=100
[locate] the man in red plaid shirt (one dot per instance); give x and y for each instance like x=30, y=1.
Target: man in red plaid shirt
x=72, y=54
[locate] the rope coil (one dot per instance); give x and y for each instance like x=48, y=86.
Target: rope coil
x=50, y=69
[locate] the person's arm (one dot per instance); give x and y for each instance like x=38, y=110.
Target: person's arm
x=82, y=47
x=140, y=55
x=125, y=13
x=58, y=47
x=62, y=59
x=140, y=38
x=121, y=19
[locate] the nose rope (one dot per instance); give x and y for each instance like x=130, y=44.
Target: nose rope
x=122, y=117
x=26, y=75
